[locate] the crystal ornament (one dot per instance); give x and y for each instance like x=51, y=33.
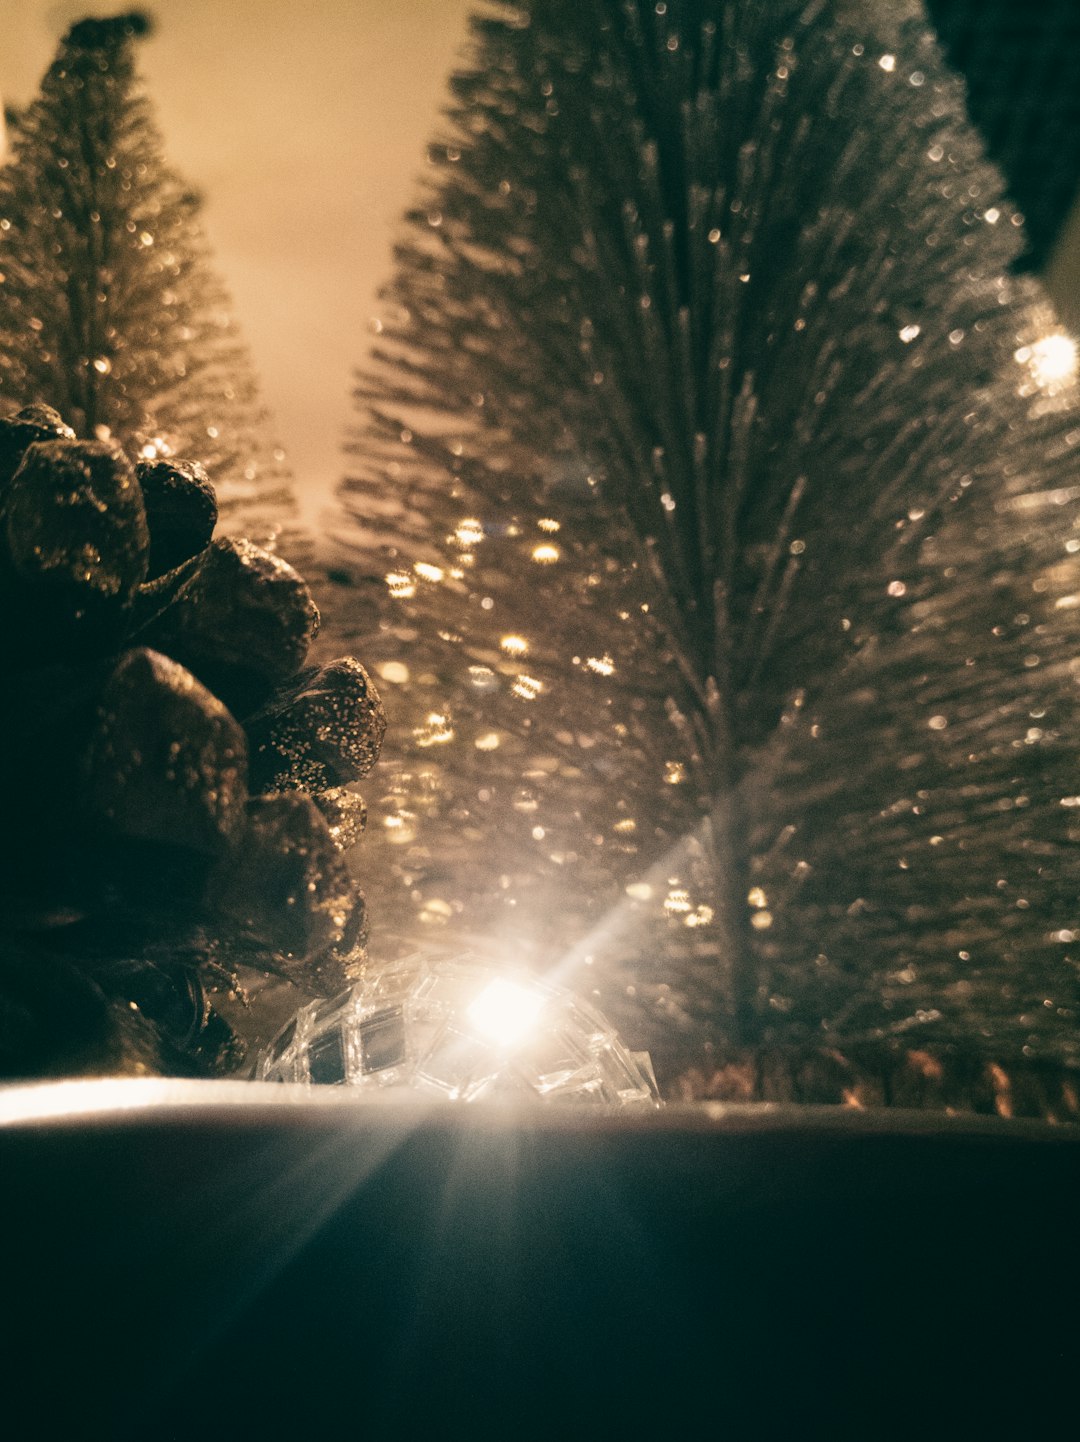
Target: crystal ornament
x=461, y=1031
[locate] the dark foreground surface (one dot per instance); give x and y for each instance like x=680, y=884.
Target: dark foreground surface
x=204, y=1260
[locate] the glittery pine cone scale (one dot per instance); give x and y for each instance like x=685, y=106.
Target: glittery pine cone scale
x=178, y=781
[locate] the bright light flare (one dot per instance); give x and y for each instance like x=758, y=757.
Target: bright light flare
x=505, y=1013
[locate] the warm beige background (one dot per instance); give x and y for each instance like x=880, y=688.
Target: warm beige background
x=305, y=126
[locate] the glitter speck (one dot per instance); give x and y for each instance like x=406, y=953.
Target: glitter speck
x=435, y=731
x=428, y=572
x=674, y=773
x=897, y=588
x=400, y=586
x=938, y=723
x=909, y=332
x=601, y=665
x=514, y=645
x=469, y=533
x=546, y=555
x=888, y=63
x=677, y=901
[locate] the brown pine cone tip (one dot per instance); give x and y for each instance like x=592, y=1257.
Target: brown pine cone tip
x=322, y=733
x=149, y=857
x=345, y=813
x=181, y=511
x=167, y=762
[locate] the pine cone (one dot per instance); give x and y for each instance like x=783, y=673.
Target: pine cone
x=160, y=731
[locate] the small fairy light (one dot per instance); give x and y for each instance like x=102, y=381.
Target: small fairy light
x=455, y=1030
x=546, y=555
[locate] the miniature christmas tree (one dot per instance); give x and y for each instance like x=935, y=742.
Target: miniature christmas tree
x=109, y=308
x=720, y=481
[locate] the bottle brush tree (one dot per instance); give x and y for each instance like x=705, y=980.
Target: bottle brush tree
x=719, y=478
x=110, y=311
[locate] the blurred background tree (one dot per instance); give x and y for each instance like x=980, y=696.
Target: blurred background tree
x=109, y=308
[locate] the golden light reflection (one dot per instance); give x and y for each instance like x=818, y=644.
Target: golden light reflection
x=546, y=555
x=436, y=730
x=514, y=645
x=400, y=586
x=427, y=572
x=527, y=688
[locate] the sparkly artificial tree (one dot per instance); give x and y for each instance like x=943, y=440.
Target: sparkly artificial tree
x=719, y=487
x=109, y=308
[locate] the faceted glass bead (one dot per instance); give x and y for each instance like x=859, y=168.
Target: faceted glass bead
x=461, y=1031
